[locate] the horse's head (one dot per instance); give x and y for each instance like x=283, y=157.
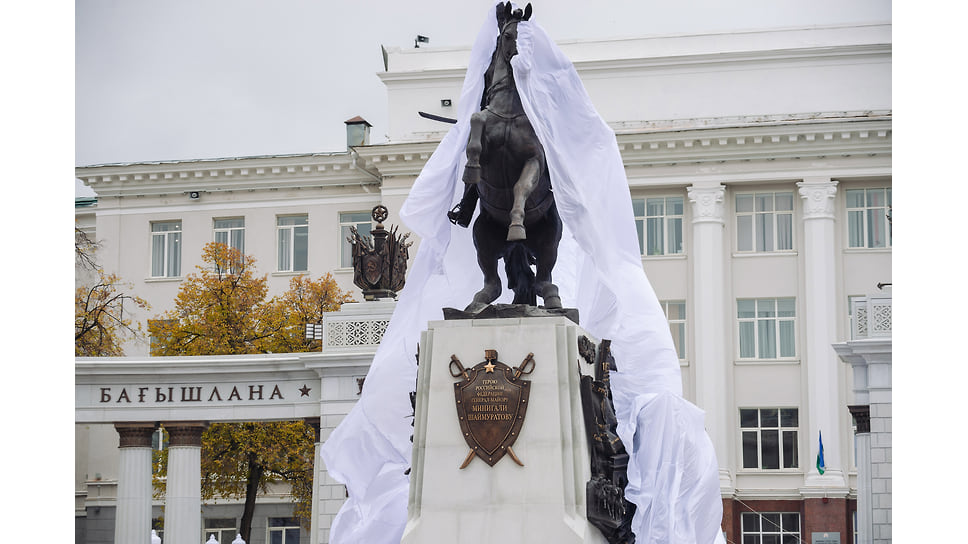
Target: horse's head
x=507, y=22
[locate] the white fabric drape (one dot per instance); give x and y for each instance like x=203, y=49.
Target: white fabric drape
x=673, y=471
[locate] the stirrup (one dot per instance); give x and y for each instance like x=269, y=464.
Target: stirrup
x=458, y=217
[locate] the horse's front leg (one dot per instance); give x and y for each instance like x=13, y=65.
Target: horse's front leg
x=522, y=190
x=475, y=144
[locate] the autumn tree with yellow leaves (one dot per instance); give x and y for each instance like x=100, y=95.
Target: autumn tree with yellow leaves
x=222, y=309
x=103, y=317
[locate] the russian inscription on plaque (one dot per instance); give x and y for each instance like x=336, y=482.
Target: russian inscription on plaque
x=491, y=403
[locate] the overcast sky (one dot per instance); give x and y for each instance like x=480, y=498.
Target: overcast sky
x=190, y=79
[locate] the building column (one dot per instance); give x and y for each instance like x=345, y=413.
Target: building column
x=862, y=419
x=819, y=307
x=133, y=516
x=183, y=501
x=709, y=308
x=314, y=528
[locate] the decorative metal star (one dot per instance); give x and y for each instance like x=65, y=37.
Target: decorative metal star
x=305, y=391
x=489, y=367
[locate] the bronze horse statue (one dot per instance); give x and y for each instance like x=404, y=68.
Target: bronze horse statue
x=506, y=170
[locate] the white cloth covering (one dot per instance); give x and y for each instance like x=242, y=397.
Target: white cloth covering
x=673, y=473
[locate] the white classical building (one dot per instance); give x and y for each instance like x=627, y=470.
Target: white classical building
x=759, y=166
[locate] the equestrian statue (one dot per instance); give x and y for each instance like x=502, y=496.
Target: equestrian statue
x=507, y=172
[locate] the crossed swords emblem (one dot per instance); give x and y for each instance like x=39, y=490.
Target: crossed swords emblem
x=491, y=403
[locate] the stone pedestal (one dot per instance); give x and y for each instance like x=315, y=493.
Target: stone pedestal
x=542, y=501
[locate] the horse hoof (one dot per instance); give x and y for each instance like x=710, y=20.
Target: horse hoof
x=472, y=174
x=553, y=303
x=516, y=233
x=475, y=307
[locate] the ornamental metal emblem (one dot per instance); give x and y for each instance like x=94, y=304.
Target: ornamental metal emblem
x=492, y=400
x=379, y=260
x=372, y=268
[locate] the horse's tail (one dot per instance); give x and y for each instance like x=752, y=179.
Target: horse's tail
x=517, y=263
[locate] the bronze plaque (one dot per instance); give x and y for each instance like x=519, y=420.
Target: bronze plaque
x=491, y=403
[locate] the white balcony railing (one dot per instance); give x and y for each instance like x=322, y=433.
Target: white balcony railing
x=871, y=316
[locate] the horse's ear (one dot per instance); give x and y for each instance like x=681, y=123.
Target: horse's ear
x=527, y=11
x=499, y=13
x=507, y=10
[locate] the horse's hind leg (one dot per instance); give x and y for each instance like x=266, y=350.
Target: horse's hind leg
x=489, y=248
x=545, y=237
x=475, y=144
x=522, y=190
x=542, y=284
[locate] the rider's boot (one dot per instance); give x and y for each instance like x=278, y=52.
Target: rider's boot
x=463, y=211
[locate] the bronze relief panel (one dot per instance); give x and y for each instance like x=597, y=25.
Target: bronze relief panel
x=491, y=401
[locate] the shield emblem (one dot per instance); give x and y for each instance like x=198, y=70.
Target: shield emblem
x=491, y=404
x=373, y=268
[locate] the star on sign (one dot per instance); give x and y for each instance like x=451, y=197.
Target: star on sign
x=305, y=391
x=489, y=367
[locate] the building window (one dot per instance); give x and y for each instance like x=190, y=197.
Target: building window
x=675, y=312
x=771, y=528
x=868, y=218
x=764, y=222
x=769, y=437
x=767, y=328
x=283, y=531
x=159, y=443
x=157, y=331
x=659, y=224
x=292, y=234
x=231, y=232
x=166, y=249
x=360, y=220
x=224, y=530
x=159, y=439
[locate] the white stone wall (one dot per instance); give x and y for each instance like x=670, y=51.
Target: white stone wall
x=881, y=466
x=666, y=78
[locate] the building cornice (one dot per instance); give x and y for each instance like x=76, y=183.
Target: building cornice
x=755, y=138
x=230, y=174
x=646, y=144
x=704, y=141
x=398, y=159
